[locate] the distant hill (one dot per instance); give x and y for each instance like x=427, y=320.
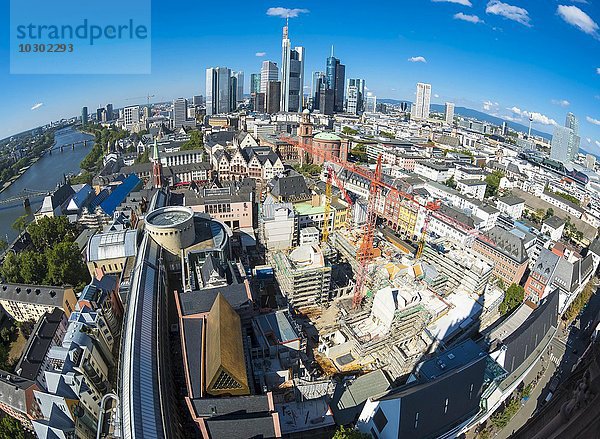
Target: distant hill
x=479, y=115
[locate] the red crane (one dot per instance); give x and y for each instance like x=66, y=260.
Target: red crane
x=376, y=183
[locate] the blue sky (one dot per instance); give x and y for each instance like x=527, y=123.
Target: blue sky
x=510, y=58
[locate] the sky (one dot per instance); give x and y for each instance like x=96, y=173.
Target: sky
x=509, y=58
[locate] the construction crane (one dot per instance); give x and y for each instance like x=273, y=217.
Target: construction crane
x=423, y=236
x=147, y=97
x=376, y=185
x=326, y=222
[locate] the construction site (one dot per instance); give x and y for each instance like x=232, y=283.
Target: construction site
x=402, y=296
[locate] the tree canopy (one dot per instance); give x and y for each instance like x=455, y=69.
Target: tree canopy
x=513, y=297
x=195, y=142
x=349, y=433
x=10, y=428
x=493, y=183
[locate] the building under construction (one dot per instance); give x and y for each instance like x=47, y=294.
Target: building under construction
x=303, y=275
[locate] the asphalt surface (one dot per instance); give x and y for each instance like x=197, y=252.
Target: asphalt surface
x=565, y=350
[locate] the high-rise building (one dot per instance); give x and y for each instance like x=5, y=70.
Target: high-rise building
x=273, y=97
x=218, y=89
x=197, y=100
x=318, y=79
x=590, y=161
x=326, y=100
x=255, y=83
x=84, y=116
x=233, y=89
x=258, y=102
x=420, y=109
x=355, y=93
x=109, y=112
x=179, y=112
x=370, y=103
x=292, y=74
x=239, y=93
x=449, y=113
x=269, y=72
x=565, y=140
x=131, y=116
x=336, y=74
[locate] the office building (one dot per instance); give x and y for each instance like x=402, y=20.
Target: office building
x=355, y=96
x=370, y=103
x=218, y=90
x=273, y=97
x=590, y=161
x=109, y=112
x=449, y=113
x=179, y=112
x=326, y=100
x=420, y=109
x=131, y=116
x=269, y=72
x=336, y=74
x=84, y=116
x=100, y=115
x=318, y=79
x=239, y=79
x=561, y=147
x=197, y=100
x=233, y=93
x=255, y=83
x=292, y=75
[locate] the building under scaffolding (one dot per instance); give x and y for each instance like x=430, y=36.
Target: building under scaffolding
x=303, y=275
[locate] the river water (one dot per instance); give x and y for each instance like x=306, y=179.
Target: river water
x=43, y=175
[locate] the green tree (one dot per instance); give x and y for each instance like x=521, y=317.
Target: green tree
x=32, y=267
x=451, y=183
x=349, y=433
x=10, y=428
x=387, y=135
x=359, y=152
x=195, y=142
x=48, y=231
x=20, y=223
x=514, y=296
x=10, y=269
x=145, y=157
x=493, y=183
x=3, y=245
x=65, y=265
x=549, y=213
x=349, y=131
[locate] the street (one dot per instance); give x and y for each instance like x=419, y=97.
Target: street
x=565, y=350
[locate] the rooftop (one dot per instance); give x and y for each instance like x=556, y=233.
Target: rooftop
x=169, y=216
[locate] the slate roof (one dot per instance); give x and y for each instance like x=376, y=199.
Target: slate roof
x=554, y=222
x=38, y=344
x=349, y=397
x=12, y=390
x=290, y=187
x=38, y=294
x=505, y=242
x=57, y=198
x=192, y=337
x=242, y=428
x=511, y=201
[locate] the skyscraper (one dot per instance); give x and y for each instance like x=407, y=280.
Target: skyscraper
x=449, y=113
x=565, y=140
x=109, y=112
x=292, y=74
x=318, y=79
x=269, y=72
x=355, y=93
x=273, y=97
x=420, y=109
x=179, y=112
x=326, y=100
x=84, y=116
x=131, y=116
x=218, y=88
x=255, y=83
x=239, y=92
x=370, y=103
x=336, y=74
x=233, y=89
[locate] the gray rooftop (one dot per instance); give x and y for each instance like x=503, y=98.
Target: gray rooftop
x=38, y=294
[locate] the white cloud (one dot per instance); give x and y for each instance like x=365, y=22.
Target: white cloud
x=515, y=13
x=592, y=120
x=466, y=17
x=459, y=2
x=417, y=59
x=598, y=70
x=261, y=53
x=436, y=95
x=561, y=102
x=597, y=143
x=576, y=17
x=38, y=105
x=536, y=117
x=285, y=12
x=489, y=105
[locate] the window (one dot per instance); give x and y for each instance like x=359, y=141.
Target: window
x=380, y=420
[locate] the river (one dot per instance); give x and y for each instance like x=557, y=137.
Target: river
x=43, y=175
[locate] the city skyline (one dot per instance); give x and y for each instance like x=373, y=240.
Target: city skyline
x=473, y=56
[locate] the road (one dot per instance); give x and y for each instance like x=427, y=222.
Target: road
x=566, y=348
